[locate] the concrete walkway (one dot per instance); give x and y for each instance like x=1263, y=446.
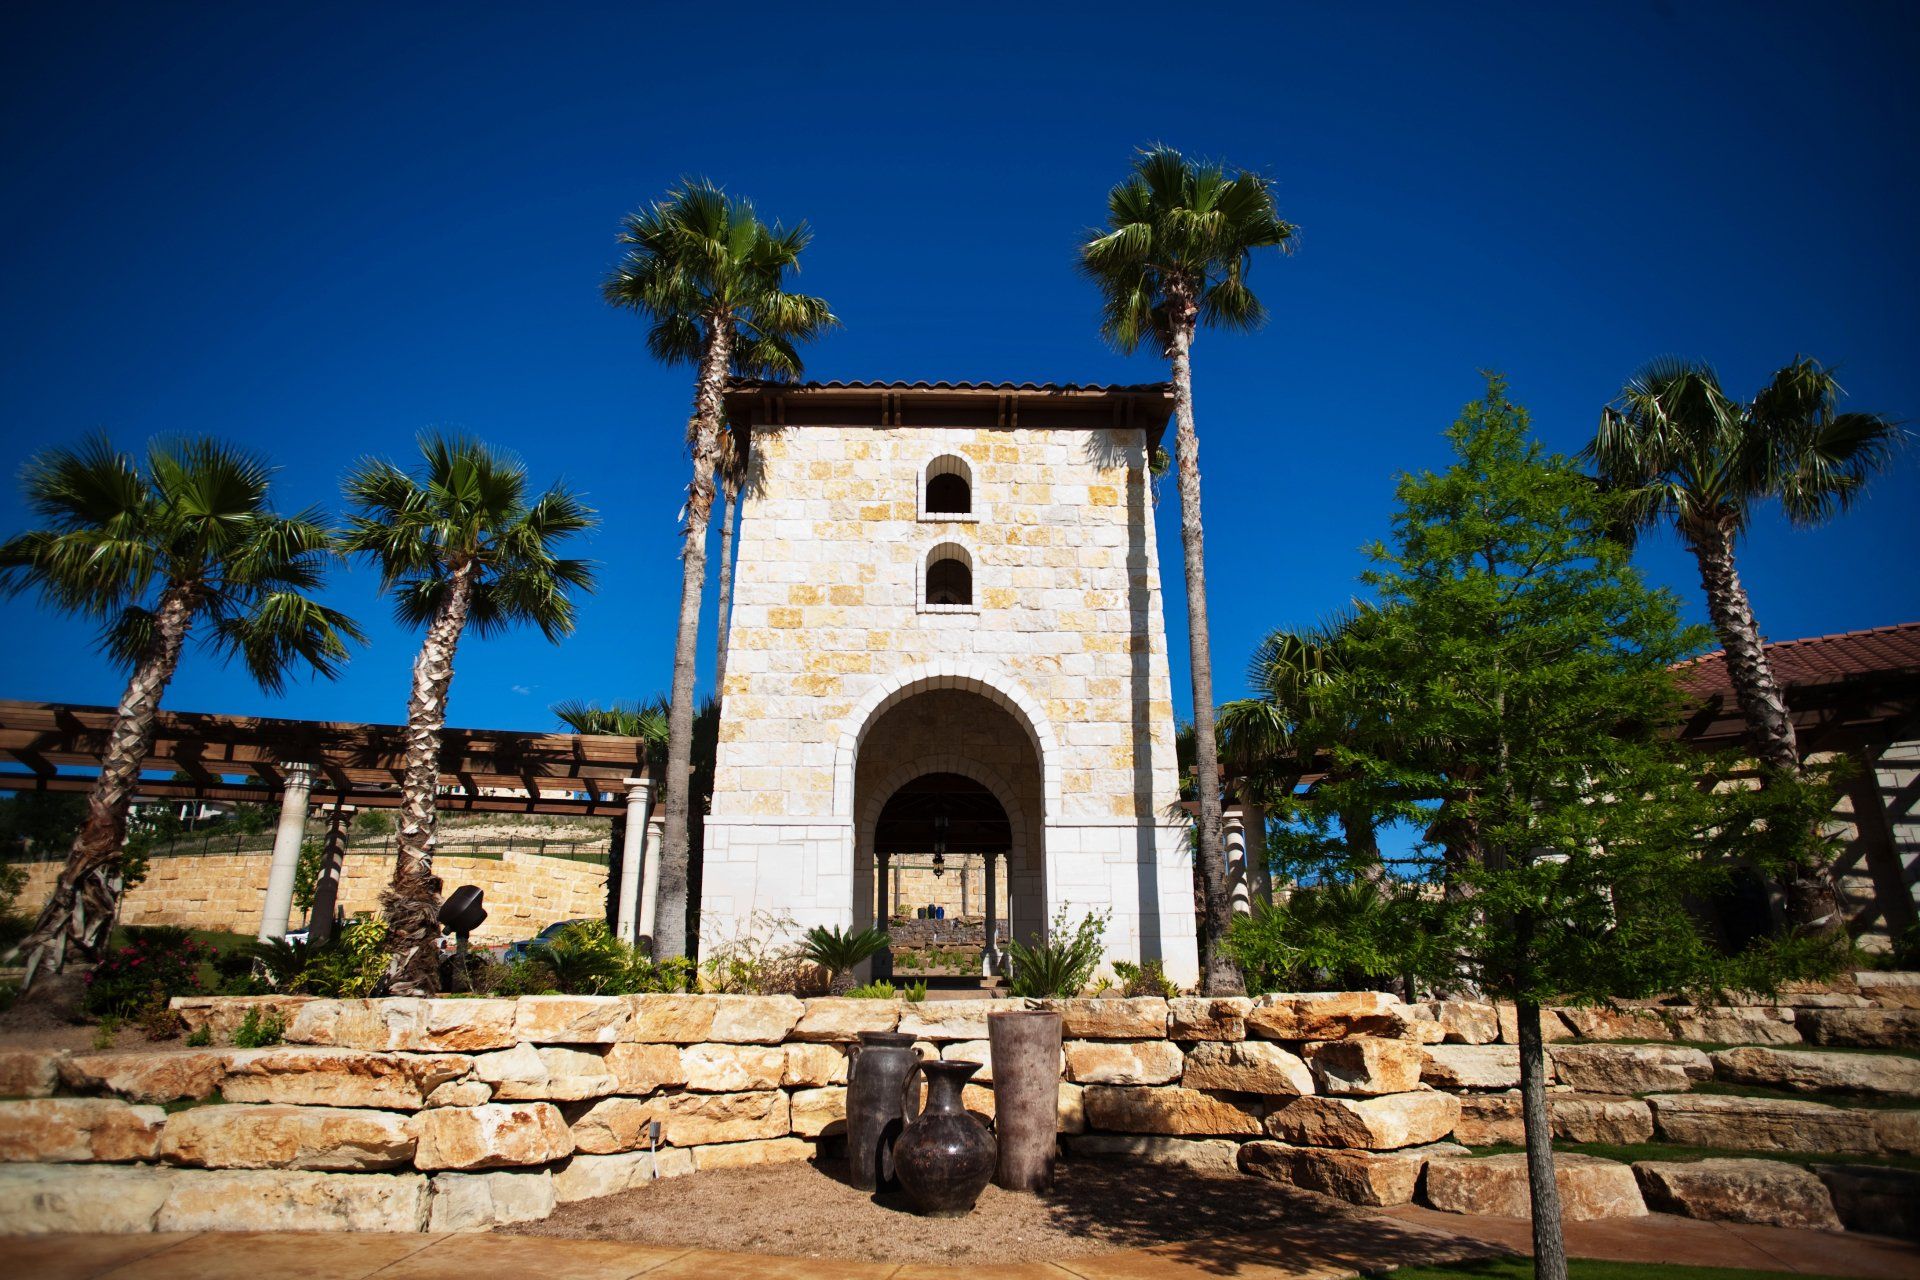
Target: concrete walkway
x=1405, y=1237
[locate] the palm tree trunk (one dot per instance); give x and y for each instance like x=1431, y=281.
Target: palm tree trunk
x=412, y=899
x=670, y=919
x=1219, y=975
x=1543, y=1189
x=86, y=897
x=1813, y=903
x=729, y=515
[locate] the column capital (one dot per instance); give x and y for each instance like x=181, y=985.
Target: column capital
x=639, y=788
x=298, y=773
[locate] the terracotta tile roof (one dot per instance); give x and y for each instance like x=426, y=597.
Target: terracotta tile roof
x=1817, y=660
x=1042, y=388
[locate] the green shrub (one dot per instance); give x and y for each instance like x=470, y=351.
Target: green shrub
x=256, y=1032
x=912, y=993
x=1064, y=963
x=201, y=1036
x=1149, y=979
x=155, y=964
x=839, y=950
x=1337, y=935
x=349, y=966
x=584, y=958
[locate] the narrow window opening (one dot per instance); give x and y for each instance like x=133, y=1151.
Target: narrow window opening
x=949, y=494
x=949, y=582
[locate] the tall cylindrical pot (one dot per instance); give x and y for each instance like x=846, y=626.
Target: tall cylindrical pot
x=882, y=1061
x=1024, y=1046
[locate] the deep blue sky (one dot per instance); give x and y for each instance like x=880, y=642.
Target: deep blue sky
x=319, y=229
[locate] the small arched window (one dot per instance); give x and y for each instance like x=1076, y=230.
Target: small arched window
x=948, y=489
x=949, y=577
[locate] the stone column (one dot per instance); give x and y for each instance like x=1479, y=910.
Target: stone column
x=1238, y=882
x=882, y=961
x=990, y=954
x=1256, y=840
x=286, y=849
x=639, y=800
x=656, y=829
x=326, y=887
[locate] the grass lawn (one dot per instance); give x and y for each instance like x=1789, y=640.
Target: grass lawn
x=1670, y=1151
x=1579, y=1269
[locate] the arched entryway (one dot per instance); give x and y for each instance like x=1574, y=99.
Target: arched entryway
x=948, y=774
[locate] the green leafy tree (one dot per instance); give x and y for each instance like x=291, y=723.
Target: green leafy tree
x=458, y=542
x=1175, y=253
x=1518, y=640
x=710, y=276
x=149, y=551
x=1685, y=452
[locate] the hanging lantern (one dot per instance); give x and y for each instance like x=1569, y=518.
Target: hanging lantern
x=941, y=823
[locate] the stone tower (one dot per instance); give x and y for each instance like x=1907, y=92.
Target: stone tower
x=947, y=634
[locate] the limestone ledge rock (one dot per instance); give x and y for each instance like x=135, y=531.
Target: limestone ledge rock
x=942, y=1020
x=1246, y=1066
x=1874, y=1198
x=686, y=1120
x=698, y=1019
x=1737, y=1025
x=741, y=1155
x=817, y=1112
x=1358, y=1177
x=1629, y=1068
x=1465, y=1021
x=1125, y=1018
x=29, y=1073
x=1371, y=1124
x=1330, y=1015
x=587, y=1177
x=1139, y=1062
x=274, y=1136
x=479, y=1201
x=1365, y=1066
x=1496, y=1186
x=497, y=1135
x=1865, y=1028
x=288, y=1200
x=733, y=1068
x=841, y=1019
x=1763, y=1124
x=1218, y=1156
x=1898, y=1132
x=170, y=1075
x=1899, y=990
x=405, y=1023
x=1769, y=1193
x=1552, y=1026
x=1814, y=1071
x=1174, y=1111
x=1221, y=1018
x=642, y=1068
x=1489, y=1119
x=570, y=1019
x=814, y=1065
x=64, y=1130
x=304, y=1075
x=1472, y=1066
x=554, y=1073
x=94, y=1199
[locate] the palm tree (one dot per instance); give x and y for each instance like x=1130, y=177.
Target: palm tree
x=1176, y=250
x=1686, y=451
x=458, y=542
x=709, y=276
x=149, y=552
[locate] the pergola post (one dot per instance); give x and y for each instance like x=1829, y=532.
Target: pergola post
x=1239, y=882
x=326, y=886
x=286, y=849
x=990, y=954
x=656, y=829
x=1254, y=820
x=627, y=926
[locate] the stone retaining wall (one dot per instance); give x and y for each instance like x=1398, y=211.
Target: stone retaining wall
x=406, y=1115
x=525, y=892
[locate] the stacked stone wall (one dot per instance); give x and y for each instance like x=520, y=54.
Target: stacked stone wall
x=524, y=892
x=403, y=1114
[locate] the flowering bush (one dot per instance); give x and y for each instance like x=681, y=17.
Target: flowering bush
x=156, y=963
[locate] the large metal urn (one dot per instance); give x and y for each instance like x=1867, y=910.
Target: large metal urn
x=944, y=1157
x=876, y=1079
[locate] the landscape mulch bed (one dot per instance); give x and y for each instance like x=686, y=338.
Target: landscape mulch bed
x=808, y=1210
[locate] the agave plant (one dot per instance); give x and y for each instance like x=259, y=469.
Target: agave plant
x=838, y=950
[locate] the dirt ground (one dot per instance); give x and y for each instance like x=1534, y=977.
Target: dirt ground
x=808, y=1210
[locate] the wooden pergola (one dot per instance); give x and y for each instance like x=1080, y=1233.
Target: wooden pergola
x=195, y=756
